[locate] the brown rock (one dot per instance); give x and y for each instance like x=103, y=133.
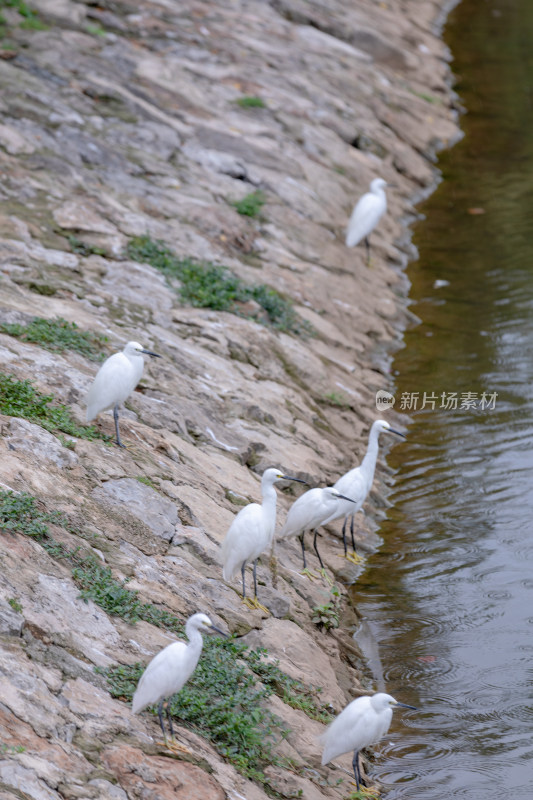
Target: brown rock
x=157, y=778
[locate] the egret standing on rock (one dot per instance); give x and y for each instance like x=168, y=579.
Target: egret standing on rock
x=308, y=513
x=252, y=531
x=366, y=214
x=115, y=381
x=170, y=669
x=357, y=483
x=362, y=723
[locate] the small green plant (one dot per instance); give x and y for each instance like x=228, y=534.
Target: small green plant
x=207, y=285
x=429, y=98
x=83, y=249
x=95, y=29
x=19, y=513
x=11, y=748
x=337, y=399
x=291, y=691
x=21, y=399
x=363, y=794
x=327, y=615
x=15, y=605
x=68, y=443
x=58, y=335
x=147, y=481
x=251, y=205
x=30, y=19
x=250, y=101
x=33, y=24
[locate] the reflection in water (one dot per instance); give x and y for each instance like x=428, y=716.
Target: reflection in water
x=449, y=596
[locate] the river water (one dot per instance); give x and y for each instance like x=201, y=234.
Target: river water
x=449, y=597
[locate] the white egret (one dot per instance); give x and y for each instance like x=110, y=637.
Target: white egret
x=308, y=512
x=363, y=722
x=252, y=531
x=366, y=214
x=171, y=668
x=358, y=481
x=115, y=381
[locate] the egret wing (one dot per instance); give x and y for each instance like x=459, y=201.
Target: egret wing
x=356, y=727
x=164, y=676
x=351, y=485
x=302, y=513
x=365, y=216
x=112, y=384
x=245, y=540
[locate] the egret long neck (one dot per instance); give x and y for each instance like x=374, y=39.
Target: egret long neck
x=368, y=464
x=195, y=640
x=269, y=507
x=137, y=362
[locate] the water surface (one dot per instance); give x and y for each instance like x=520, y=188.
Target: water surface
x=450, y=594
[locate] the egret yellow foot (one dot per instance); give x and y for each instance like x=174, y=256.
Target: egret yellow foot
x=310, y=575
x=257, y=604
x=354, y=557
x=175, y=747
x=326, y=576
x=248, y=602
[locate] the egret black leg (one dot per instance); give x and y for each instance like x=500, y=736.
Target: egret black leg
x=301, y=538
x=160, y=715
x=367, y=245
x=344, y=536
x=352, y=532
x=243, y=581
x=356, y=770
x=115, y=416
x=169, y=720
x=316, y=549
x=255, y=578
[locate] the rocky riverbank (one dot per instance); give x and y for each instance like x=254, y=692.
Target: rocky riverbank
x=141, y=144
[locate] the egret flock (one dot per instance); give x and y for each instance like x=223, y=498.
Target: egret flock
x=365, y=720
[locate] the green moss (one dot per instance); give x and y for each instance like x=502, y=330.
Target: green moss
x=58, y=335
x=250, y=101
x=84, y=249
x=207, y=285
x=33, y=24
x=251, y=205
x=21, y=399
x=42, y=288
x=30, y=19
x=95, y=29
x=147, y=482
x=15, y=605
x=336, y=399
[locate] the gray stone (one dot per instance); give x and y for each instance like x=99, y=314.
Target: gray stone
x=143, y=502
x=26, y=437
x=13, y=141
x=24, y=782
x=11, y=622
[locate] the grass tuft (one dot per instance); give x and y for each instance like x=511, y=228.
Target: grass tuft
x=251, y=205
x=21, y=399
x=207, y=285
x=336, y=399
x=58, y=335
x=327, y=616
x=250, y=101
